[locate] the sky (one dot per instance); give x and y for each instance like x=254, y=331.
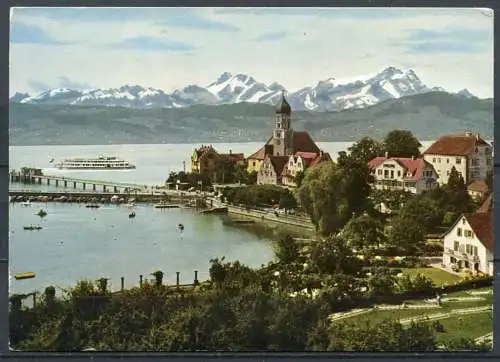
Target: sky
x=169, y=48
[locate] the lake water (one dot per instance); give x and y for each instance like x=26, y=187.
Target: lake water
x=77, y=243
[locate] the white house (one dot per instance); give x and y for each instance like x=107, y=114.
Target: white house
x=301, y=161
x=469, y=243
x=468, y=153
x=396, y=173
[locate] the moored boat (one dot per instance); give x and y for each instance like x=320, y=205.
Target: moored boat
x=131, y=215
x=93, y=206
x=24, y=275
x=32, y=227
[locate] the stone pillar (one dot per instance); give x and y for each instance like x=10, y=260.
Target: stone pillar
x=93, y=187
x=177, y=282
x=195, y=277
x=140, y=280
x=122, y=283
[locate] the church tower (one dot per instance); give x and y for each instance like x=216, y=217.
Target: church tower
x=282, y=133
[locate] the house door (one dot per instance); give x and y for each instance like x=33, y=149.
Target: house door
x=476, y=267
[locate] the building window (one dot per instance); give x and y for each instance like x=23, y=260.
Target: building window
x=475, y=162
x=459, y=232
x=434, y=160
x=468, y=233
x=447, y=160
x=488, y=161
x=253, y=163
x=386, y=173
x=456, y=244
x=399, y=173
x=439, y=160
x=379, y=172
x=468, y=249
x=392, y=174
x=475, y=250
x=458, y=160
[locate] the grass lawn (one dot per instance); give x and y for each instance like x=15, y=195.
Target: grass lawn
x=438, y=276
x=470, y=326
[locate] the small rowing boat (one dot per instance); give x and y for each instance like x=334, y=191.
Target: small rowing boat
x=25, y=275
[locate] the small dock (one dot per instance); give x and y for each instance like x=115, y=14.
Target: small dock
x=215, y=210
x=71, y=182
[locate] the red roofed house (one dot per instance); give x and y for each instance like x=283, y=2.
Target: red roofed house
x=206, y=159
x=284, y=140
x=271, y=170
x=299, y=162
x=469, y=243
x=478, y=189
x=409, y=174
x=468, y=153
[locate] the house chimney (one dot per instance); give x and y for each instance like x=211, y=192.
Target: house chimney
x=386, y=154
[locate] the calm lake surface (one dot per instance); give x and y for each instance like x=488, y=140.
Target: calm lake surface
x=79, y=243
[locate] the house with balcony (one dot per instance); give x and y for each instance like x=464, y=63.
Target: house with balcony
x=414, y=175
x=468, y=245
x=469, y=153
x=299, y=162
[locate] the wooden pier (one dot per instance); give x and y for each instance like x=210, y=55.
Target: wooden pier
x=71, y=182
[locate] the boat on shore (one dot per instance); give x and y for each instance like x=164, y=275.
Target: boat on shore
x=24, y=275
x=131, y=215
x=164, y=205
x=32, y=227
x=98, y=163
x=93, y=206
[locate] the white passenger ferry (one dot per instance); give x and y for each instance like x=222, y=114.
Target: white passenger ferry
x=99, y=163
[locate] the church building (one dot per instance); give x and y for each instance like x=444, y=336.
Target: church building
x=283, y=144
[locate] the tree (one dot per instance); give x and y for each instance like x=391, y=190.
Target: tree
x=287, y=200
x=364, y=232
x=299, y=178
x=287, y=250
x=381, y=282
x=366, y=149
x=241, y=174
x=401, y=143
x=252, y=178
x=333, y=255
x=331, y=192
x=458, y=198
x=406, y=234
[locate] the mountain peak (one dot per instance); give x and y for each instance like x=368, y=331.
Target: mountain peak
x=224, y=77
x=330, y=94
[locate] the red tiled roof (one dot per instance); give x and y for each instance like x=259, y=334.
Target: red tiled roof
x=302, y=142
x=478, y=186
x=455, y=145
x=487, y=205
x=278, y=163
x=482, y=225
x=234, y=157
x=261, y=152
x=414, y=166
x=319, y=159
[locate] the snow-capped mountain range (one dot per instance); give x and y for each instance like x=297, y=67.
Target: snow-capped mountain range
x=327, y=95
